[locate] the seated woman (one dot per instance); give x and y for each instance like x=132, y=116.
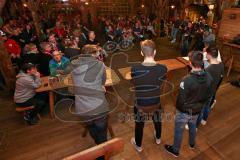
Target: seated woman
x=58, y=64
x=25, y=96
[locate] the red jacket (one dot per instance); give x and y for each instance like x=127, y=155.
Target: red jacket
x=60, y=32
x=12, y=47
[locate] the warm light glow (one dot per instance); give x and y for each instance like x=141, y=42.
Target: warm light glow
x=211, y=6
x=172, y=6
x=142, y=6
x=24, y=5
x=86, y=3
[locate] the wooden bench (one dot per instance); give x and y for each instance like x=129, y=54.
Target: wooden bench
x=107, y=149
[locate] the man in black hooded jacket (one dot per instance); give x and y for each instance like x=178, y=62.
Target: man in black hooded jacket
x=195, y=91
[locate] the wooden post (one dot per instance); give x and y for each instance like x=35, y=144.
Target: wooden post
x=6, y=63
x=7, y=69
x=33, y=6
x=2, y=4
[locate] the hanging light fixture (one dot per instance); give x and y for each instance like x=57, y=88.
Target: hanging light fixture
x=24, y=4
x=172, y=6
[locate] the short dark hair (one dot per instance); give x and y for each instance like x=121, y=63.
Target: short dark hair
x=196, y=58
x=148, y=47
x=27, y=66
x=213, y=51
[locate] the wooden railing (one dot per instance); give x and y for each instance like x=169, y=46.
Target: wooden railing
x=107, y=149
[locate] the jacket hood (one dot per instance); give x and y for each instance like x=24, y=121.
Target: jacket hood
x=22, y=74
x=200, y=76
x=83, y=64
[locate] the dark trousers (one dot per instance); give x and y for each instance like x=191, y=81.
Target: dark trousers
x=98, y=129
x=140, y=119
x=37, y=101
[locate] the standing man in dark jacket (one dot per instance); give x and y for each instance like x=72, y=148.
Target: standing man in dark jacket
x=175, y=30
x=195, y=90
x=216, y=70
x=148, y=78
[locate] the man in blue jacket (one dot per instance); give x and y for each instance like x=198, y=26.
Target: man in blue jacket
x=58, y=64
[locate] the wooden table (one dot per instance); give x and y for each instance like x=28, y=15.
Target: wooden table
x=231, y=58
x=111, y=79
x=183, y=60
x=171, y=64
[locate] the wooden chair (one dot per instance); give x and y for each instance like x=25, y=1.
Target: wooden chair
x=27, y=108
x=107, y=149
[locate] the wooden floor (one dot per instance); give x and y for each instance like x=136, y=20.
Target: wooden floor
x=54, y=139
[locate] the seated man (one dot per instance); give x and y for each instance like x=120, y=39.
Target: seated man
x=25, y=96
x=92, y=38
x=58, y=64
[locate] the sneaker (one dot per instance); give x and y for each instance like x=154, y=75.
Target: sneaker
x=235, y=83
x=191, y=146
x=215, y=101
x=26, y=116
x=173, y=41
x=139, y=149
x=170, y=150
x=203, y=122
x=157, y=140
x=33, y=121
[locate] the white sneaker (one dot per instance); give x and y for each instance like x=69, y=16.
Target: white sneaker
x=215, y=101
x=139, y=149
x=203, y=122
x=157, y=140
x=173, y=41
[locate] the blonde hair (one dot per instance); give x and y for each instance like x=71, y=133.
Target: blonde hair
x=148, y=47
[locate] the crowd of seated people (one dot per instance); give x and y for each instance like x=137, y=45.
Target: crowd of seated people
x=47, y=55
x=129, y=27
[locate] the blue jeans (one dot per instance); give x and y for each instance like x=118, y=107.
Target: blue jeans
x=185, y=46
x=180, y=120
x=98, y=129
x=205, y=111
x=174, y=33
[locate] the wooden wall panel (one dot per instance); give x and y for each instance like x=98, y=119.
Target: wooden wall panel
x=229, y=27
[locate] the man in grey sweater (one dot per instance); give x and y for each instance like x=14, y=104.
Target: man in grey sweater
x=89, y=77
x=27, y=81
